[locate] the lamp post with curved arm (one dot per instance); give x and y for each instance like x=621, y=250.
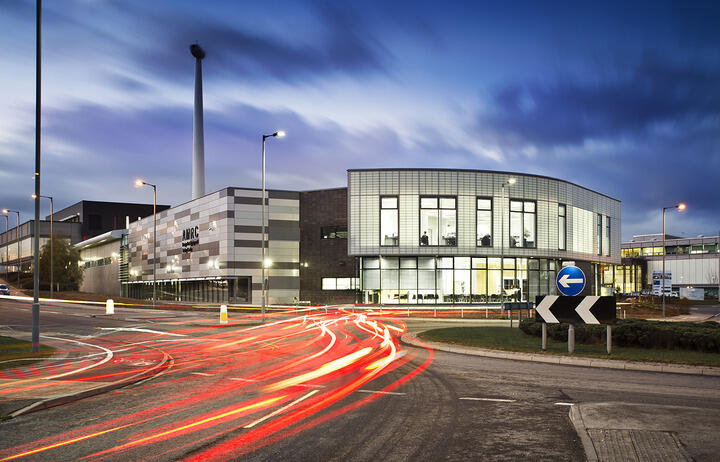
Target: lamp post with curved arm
x=278, y=134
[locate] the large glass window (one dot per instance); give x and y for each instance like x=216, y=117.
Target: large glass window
x=522, y=224
x=607, y=236
x=599, y=234
x=562, y=227
x=484, y=222
x=438, y=221
x=389, y=221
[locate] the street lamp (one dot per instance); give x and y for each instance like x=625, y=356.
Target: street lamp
x=140, y=183
x=7, y=247
x=509, y=182
x=681, y=206
x=279, y=134
x=17, y=235
x=51, y=240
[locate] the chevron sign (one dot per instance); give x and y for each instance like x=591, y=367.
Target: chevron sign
x=554, y=309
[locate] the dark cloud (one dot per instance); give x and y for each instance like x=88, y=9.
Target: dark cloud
x=649, y=139
x=569, y=113
x=341, y=44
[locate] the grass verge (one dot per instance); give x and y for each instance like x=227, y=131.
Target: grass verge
x=16, y=353
x=511, y=339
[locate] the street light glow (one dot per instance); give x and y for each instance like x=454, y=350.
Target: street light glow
x=280, y=133
x=5, y=210
x=268, y=263
x=512, y=180
x=34, y=196
x=681, y=206
x=139, y=182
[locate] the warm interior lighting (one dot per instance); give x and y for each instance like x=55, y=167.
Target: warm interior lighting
x=280, y=134
x=268, y=262
x=681, y=206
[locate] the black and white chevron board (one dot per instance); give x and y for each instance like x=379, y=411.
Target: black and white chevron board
x=554, y=309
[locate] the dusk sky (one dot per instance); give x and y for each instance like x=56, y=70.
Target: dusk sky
x=621, y=98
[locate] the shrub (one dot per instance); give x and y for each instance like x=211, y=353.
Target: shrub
x=704, y=337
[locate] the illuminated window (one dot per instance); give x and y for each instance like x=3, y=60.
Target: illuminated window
x=438, y=221
x=522, y=224
x=562, y=227
x=389, y=221
x=484, y=222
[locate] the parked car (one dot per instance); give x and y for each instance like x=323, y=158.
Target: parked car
x=4, y=289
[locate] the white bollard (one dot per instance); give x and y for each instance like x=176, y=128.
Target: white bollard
x=223, y=314
x=109, y=306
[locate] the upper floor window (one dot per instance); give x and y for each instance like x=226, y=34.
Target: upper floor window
x=607, y=236
x=599, y=234
x=438, y=220
x=389, y=223
x=484, y=222
x=334, y=232
x=523, y=223
x=562, y=227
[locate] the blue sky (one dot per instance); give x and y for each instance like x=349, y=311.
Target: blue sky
x=622, y=97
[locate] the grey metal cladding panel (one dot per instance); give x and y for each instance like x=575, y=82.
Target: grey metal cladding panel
x=184, y=213
x=284, y=234
x=283, y=194
x=244, y=264
x=248, y=229
x=284, y=282
x=172, y=252
x=195, y=216
x=284, y=224
x=222, y=215
x=247, y=200
x=247, y=243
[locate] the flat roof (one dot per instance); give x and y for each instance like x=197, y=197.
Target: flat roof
x=475, y=171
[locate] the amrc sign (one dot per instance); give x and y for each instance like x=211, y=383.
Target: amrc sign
x=190, y=238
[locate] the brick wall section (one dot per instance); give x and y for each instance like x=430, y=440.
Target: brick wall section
x=325, y=257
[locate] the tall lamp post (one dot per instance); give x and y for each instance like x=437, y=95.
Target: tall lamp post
x=509, y=182
x=680, y=207
x=139, y=183
x=17, y=235
x=279, y=134
x=7, y=248
x=51, y=240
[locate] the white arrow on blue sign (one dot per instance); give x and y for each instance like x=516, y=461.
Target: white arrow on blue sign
x=570, y=280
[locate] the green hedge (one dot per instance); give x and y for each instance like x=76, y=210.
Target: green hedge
x=704, y=337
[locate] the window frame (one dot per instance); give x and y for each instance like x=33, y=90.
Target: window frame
x=380, y=220
x=522, y=222
x=492, y=222
x=438, y=208
x=564, y=230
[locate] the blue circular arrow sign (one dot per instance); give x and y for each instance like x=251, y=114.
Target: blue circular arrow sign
x=570, y=280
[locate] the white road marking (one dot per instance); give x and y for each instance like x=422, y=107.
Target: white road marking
x=137, y=329
x=242, y=380
x=108, y=357
x=496, y=400
x=302, y=398
x=564, y=404
x=382, y=392
x=201, y=373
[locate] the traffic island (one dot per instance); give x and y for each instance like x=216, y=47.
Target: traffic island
x=509, y=343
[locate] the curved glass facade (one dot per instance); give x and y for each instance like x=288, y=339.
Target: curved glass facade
x=438, y=236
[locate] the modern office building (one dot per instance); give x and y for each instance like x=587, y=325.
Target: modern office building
x=103, y=259
x=411, y=236
x=209, y=249
x=16, y=242
x=691, y=262
x=426, y=236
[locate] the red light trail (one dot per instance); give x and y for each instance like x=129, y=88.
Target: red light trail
x=246, y=386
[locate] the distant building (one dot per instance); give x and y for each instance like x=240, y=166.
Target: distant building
x=78, y=222
x=691, y=262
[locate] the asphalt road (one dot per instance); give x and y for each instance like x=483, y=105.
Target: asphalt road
x=459, y=408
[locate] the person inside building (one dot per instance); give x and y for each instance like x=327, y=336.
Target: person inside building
x=424, y=240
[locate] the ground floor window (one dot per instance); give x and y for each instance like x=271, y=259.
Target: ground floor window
x=436, y=280
x=233, y=290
